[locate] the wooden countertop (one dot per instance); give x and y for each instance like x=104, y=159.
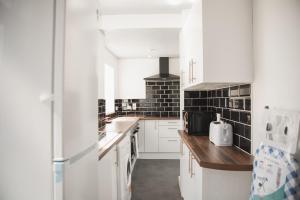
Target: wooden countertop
x=143, y=117
x=222, y=158
x=115, y=132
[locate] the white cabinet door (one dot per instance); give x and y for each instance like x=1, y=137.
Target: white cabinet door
x=171, y=145
x=151, y=136
x=141, y=136
x=107, y=176
x=185, y=179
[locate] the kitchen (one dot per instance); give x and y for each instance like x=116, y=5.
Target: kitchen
x=196, y=99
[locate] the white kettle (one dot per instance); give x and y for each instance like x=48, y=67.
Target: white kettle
x=220, y=133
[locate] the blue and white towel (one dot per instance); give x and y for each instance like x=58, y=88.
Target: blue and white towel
x=276, y=175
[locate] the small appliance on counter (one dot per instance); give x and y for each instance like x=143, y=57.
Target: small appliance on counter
x=197, y=122
x=220, y=133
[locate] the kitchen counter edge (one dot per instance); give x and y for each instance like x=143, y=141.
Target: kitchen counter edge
x=214, y=157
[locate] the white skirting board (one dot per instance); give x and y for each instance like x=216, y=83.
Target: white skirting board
x=159, y=155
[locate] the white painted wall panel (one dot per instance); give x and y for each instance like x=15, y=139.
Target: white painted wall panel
x=131, y=74
x=276, y=59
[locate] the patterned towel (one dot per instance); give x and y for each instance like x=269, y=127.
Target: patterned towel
x=276, y=175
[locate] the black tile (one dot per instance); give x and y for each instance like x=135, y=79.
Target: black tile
x=247, y=133
x=245, y=145
x=173, y=87
x=168, y=109
x=173, y=104
x=168, y=83
x=155, y=87
x=160, y=100
x=226, y=113
x=195, y=102
x=163, y=87
x=164, y=96
x=238, y=104
x=161, y=91
x=203, y=94
x=225, y=92
x=203, y=108
x=175, y=91
x=176, y=83
x=209, y=93
x=213, y=93
x=245, y=90
x=234, y=91
x=236, y=140
x=235, y=116
x=168, y=91
x=219, y=93
x=222, y=102
x=203, y=102
x=216, y=102
x=246, y=117
x=247, y=104
x=239, y=129
x=164, y=104
x=173, y=96
x=150, y=83
x=188, y=102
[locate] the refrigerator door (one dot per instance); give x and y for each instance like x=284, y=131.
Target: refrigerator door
x=76, y=90
x=26, y=46
x=75, y=178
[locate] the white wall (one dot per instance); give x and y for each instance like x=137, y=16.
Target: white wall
x=276, y=59
x=131, y=74
x=105, y=57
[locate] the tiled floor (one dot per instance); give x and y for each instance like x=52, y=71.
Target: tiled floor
x=156, y=180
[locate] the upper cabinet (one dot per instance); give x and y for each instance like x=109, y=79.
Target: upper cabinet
x=216, y=44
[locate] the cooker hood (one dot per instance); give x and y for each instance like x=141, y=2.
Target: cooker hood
x=163, y=71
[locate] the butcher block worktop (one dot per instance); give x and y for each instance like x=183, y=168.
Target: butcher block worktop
x=115, y=132
x=221, y=158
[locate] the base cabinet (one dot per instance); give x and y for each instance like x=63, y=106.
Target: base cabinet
x=151, y=136
x=198, y=183
x=141, y=136
x=107, y=176
x=159, y=136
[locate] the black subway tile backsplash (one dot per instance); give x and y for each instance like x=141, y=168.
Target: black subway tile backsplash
x=233, y=103
x=101, y=113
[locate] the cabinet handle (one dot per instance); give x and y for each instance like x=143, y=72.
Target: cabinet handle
x=189, y=162
x=117, y=157
x=192, y=170
x=181, y=147
x=172, y=140
x=172, y=128
x=172, y=122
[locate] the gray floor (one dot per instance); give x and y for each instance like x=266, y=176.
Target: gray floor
x=155, y=180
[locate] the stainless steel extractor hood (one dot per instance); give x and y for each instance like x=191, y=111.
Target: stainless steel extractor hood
x=163, y=71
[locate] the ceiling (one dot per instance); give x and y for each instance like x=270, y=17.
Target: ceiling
x=143, y=43
x=143, y=6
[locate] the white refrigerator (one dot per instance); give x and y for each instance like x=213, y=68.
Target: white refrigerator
x=48, y=84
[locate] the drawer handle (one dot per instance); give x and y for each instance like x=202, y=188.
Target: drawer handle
x=172, y=140
x=172, y=122
x=172, y=128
